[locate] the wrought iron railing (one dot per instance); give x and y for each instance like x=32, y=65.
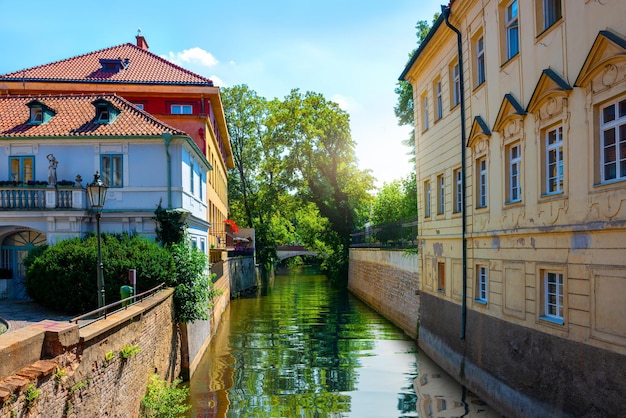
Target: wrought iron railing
x=401, y=234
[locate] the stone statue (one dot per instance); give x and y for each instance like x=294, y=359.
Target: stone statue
x=52, y=170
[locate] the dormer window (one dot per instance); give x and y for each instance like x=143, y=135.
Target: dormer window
x=105, y=111
x=39, y=112
x=114, y=65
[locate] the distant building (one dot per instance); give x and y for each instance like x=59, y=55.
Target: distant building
x=177, y=98
x=521, y=171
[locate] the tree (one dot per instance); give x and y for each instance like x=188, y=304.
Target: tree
x=404, y=108
x=396, y=201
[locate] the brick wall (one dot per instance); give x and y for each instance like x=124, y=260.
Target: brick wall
x=77, y=379
x=387, y=281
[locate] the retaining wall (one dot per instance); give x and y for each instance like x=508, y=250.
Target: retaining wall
x=387, y=281
x=79, y=372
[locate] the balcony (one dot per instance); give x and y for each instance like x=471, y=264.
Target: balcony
x=40, y=197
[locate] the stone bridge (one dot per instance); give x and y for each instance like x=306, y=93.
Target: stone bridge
x=287, y=251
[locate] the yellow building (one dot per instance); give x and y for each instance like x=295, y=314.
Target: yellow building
x=520, y=119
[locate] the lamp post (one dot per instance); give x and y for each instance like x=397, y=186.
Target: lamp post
x=97, y=192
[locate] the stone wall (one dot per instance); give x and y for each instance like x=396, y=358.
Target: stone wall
x=387, y=281
x=242, y=273
x=81, y=372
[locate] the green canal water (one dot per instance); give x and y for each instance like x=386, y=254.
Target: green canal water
x=301, y=348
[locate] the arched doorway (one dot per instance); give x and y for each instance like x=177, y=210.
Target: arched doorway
x=14, y=249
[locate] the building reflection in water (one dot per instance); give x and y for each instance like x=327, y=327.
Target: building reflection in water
x=439, y=395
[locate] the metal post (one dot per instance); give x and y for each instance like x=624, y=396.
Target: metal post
x=101, y=291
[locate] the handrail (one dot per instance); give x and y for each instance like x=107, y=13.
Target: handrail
x=96, y=315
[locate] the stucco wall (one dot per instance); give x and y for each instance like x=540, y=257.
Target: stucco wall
x=387, y=281
x=514, y=368
x=88, y=383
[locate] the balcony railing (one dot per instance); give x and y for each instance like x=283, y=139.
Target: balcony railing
x=41, y=198
x=402, y=235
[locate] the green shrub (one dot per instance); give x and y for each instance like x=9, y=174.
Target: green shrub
x=164, y=400
x=63, y=276
x=129, y=350
x=31, y=395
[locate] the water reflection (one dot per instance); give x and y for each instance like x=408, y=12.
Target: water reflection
x=304, y=349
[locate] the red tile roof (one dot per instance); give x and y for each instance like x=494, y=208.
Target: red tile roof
x=144, y=67
x=76, y=117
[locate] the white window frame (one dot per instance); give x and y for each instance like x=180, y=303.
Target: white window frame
x=482, y=182
x=438, y=92
x=458, y=191
x=181, y=109
x=554, y=160
x=617, y=147
x=480, y=60
x=515, y=173
x=36, y=115
x=551, y=12
x=425, y=111
x=482, y=280
x=553, y=296
x=511, y=27
x=456, y=83
x=441, y=201
x=112, y=173
x=427, y=197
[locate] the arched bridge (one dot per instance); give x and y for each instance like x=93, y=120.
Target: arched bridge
x=287, y=251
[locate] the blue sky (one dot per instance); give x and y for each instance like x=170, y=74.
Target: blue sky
x=350, y=51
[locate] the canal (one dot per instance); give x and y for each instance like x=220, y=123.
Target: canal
x=301, y=348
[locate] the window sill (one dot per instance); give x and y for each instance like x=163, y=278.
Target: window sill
x=547, y=30
x=609, y=182
x=480, y=301
x=479, y=86
x=442, y=291
x=552, y=320
x=505, y=63
x=513, y=202
x=553, y=196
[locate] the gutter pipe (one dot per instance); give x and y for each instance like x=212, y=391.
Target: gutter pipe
x=445, y=11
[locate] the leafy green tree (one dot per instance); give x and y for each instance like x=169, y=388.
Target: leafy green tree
x=396, y=201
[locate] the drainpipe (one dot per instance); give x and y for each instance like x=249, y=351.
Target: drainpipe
x=445, y=10
x=167, y=137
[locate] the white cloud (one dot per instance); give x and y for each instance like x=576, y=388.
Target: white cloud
x=218, y=82
x=343, y=102
x=193, y=55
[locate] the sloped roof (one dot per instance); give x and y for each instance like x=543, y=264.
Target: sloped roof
x=75, y=116
x=140, y=66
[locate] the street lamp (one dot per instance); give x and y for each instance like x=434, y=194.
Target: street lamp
x=97, y=192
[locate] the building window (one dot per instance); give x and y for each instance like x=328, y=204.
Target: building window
x=511, y=28
x=455, y=78
x=36, y=115
x=514, y=189
x=441, y=277
x=548, y=13
x=191, y=178
x=458, y=191
x=139, y=106
x=480, y=60
x=482, y=276
x=22, y=168
x=441, y=197
x=482, y=182
x=553, y=296
x=181, y=109
x=554, y=160
x=111, y=169
x=439, y=102
x=427, y=197
x=425, y=112
x=102, y=113
x=613, y=141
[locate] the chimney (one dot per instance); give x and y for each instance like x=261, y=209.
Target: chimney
x=141, y=41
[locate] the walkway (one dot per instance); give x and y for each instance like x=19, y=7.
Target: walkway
x=20, y=313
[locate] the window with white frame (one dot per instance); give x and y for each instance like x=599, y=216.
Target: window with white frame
x=439, y=99
x=514, y=180
x=480, y=60
x=427, y=196
x=481, y=175
x=455, y=78
x=36, y=115
x=553, y=295
x=613, y=141
x=554, y=160
x=111, y=169
x=181, y=109
x=482, y=277
x=424, y=111
x=548, y=13
x=511, y=29
x=441, y=196
x=458, y=191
